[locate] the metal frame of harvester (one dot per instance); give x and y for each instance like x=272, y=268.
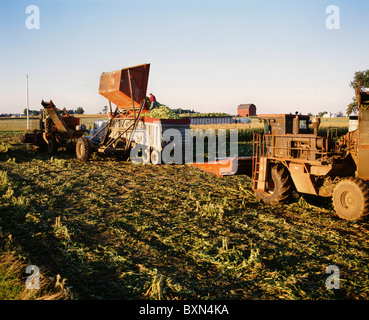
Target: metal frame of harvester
x=126, y=88
x=127, y=127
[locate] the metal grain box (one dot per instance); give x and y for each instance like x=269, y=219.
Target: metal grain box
x=126, y=87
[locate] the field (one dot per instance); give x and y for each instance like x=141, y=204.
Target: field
x=20, y=124
x=110, y=229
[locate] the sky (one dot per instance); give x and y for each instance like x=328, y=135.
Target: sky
x=206, y=55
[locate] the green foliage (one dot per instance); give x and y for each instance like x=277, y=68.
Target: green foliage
x=31, y=113
x=162, y=112
x=79, y=110
x=361, y=77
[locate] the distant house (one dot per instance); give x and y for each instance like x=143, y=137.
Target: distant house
x=330, y=115
x=246, y=110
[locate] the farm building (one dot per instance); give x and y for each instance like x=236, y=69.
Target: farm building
x=246, y=110
x=330, y=115
x=211, y=120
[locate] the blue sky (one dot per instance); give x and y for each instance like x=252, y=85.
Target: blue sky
x=207, y=55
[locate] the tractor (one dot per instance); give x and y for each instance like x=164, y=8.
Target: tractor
x=291, y=156
x=56, y=129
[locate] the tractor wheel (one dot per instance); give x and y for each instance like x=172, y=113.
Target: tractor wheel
x=155, y=156
x=52, y=146
x=279, y=186
x=120, y=143
x=121, y=155
x=83, y=149
x=351, y=199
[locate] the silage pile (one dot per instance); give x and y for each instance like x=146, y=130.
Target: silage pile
x=162, y=112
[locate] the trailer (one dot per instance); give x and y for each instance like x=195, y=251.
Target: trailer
x=150, y=138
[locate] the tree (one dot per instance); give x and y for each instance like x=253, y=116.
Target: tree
x=105, y=109
x=79, y=110
x=361, y=77
x=32, y=113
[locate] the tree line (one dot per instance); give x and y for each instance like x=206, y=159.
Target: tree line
x=33, y=113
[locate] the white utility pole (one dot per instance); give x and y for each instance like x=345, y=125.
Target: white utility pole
x=27, y=106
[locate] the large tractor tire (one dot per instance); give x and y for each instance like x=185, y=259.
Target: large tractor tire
x=279, y=186
x=83, y=149
x=351, y=199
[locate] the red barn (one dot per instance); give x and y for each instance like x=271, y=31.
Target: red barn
x=246, y=110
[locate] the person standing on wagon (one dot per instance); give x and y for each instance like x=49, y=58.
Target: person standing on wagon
x=153, y=102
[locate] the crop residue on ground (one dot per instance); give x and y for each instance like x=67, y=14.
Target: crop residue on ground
x=115, y=230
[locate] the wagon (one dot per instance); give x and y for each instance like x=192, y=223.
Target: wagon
x=150, y=138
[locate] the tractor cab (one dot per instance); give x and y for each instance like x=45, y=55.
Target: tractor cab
x=288, y=136
x=282, y=124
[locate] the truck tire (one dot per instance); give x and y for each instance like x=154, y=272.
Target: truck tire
x=52, y=146
x=83, y=149
x=351, y=199
x=279, y=187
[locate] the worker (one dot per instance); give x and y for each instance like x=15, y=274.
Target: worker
x=153, y=102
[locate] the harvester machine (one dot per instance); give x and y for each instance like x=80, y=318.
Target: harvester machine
x=290, y=156
x=128, y=127
x=126, y=88
x=56, y=129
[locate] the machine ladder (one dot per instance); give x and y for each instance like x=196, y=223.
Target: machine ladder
x=259, y=163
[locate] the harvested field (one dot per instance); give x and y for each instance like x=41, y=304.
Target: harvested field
x=20, y=124
x=115, y=230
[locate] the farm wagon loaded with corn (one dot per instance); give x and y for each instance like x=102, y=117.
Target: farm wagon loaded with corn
x=127, y=128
